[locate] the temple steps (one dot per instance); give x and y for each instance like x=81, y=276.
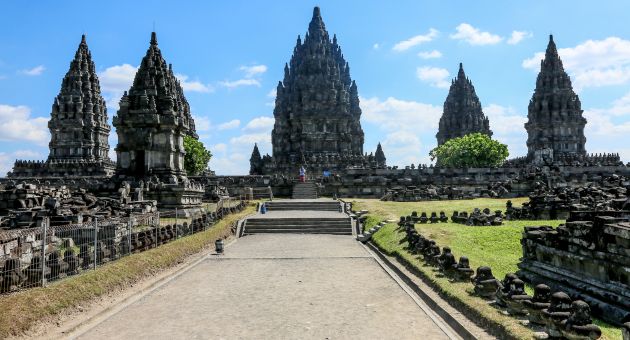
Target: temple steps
x=304, y=190
x=331, y=225
x=293, y=205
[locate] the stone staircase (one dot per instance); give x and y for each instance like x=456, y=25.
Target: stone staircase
x=300, y=217
x=304, y=190
x=303, y=205
x=330, y=225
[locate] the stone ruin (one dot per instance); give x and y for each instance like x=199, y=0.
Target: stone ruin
x=588, y=257
x=557, y=313
x=478, y=217
x=24, y=205
x=607, y=194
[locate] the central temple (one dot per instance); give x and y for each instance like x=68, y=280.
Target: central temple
x=317, y=113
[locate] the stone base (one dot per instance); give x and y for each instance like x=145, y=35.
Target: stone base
x=609, y=301
x=172, y=196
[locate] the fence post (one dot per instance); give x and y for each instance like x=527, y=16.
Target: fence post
x=129, y=235
x=95, y=241
x=44, y=227
x=176, y=226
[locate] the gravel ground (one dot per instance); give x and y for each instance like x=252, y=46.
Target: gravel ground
x=276, y=287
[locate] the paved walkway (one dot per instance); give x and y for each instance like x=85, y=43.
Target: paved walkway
x=277, y=287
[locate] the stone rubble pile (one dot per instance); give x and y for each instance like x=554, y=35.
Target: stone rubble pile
x=24, y=205
x=545, y=203
x=478, y=217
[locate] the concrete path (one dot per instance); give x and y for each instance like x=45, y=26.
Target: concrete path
x=277, y=287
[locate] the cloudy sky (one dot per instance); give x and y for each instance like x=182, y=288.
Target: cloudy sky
x=230, y=55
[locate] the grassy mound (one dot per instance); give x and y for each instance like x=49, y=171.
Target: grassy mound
x=22, y=310
x=495, y=246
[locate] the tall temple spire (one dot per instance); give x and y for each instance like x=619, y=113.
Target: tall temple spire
x=462, y=113
x=555, y=124
x=255, y=162
x=317, y=113
x=379, y=156
x=153, y=117
x=78, y=124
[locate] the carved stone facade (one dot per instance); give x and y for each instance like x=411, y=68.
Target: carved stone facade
x=317, y=113
x=462, y=111
x=152, y=121
x=78, y=126
x=556, y=126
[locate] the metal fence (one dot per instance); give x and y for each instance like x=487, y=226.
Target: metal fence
x=35, y=256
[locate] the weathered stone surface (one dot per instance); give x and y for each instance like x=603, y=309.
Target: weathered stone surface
x=78, y=126
x=317, y=113
x=462, y=113
x=153, y=118
x=555, y=125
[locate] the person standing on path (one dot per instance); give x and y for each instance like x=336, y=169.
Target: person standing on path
x=302, y=174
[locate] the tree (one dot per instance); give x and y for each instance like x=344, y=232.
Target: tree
x=475, y=150
x=197, y=156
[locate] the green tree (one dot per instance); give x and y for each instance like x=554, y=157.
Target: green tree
x=475, y=150
x=197, y=156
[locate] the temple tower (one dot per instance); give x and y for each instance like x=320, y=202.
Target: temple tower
x=317, y=113
x=379, y=156
x=462, y=111
x=555, y=126
x=152, y=121
x=78, y=126
x=255, y=162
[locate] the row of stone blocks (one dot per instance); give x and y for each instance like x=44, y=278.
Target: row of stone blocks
x=14, y=277
x=476, y=218
x=560, y=316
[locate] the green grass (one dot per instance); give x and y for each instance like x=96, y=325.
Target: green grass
x=495, y=246
x=22, y=310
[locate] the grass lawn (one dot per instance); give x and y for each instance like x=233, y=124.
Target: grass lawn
x=22, y=310
x=495, y=246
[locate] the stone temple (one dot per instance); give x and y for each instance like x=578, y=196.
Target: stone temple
x=317, y=113
x=152, y=121
x=462, y=111
x=78, y=126
x=555, y=128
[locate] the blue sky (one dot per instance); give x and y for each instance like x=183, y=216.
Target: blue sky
x=230, y=56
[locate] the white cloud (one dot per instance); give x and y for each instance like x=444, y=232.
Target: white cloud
x=251, y=138
x=518, y=36
x=609, y=122
x=202, y=123
x=35, y=71
x=260, y=123
x=221, y=147
x=8, y=159
x=508, y=127
x=416, y=40
x=115, y=80
x=376, y=46
x=241, y=82
x=593, y=63
x=273, y=93
x=193, y=86
x=435, y=76
x=16, y=124
x=404, y=148
x=233, y=124
x=474, y=36
x=430, y=54
x=252, y=71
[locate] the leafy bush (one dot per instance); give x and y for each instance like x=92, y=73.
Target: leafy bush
x=197, y=156
x=475, y=150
